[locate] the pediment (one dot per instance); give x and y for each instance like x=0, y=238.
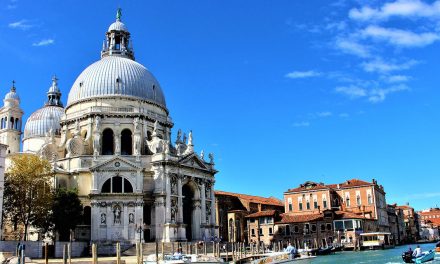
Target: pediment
x=116, y=164
x=192, y=160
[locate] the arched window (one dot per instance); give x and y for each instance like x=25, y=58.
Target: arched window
x=1, y=125
x=107, y=142
x=12, y=122
x=126, y=142
x=16, y=123
x=117, y=184
x=287, y=233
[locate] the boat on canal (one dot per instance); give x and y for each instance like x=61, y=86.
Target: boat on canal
x=425, y=257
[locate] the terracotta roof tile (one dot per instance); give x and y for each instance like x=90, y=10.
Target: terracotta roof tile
x=289, y=218
x=320, y=186
x=262, y=213
x=253, y=199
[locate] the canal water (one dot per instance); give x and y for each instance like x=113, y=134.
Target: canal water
x=388, y=256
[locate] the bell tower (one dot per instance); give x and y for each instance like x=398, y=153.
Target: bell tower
x=11, y=120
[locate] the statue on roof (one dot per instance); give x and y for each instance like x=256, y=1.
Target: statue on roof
x=119, y=14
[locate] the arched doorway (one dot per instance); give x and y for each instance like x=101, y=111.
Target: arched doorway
x=188, y=196
x=126, y=142
x=107, y=142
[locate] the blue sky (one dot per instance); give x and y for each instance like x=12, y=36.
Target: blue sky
x=281, y=91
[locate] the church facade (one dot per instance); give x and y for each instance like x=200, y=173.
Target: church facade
x=112, y=142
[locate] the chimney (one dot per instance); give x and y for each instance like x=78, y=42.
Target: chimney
x=337, y=186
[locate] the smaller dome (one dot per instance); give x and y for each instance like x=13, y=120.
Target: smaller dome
x=118, y=26
x=43, y=120
x=12, y=95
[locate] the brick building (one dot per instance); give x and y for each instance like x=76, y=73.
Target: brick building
x=411, y=220
x=366, y=199
x=232, y=209
x=430, y=223
x=396, y=221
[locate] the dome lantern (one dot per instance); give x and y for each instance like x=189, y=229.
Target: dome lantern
x=54, y=94
x=117, y=41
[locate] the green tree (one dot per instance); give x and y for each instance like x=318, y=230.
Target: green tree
x=66, y=212
x=28, y=192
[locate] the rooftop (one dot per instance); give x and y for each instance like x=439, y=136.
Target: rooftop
x=262, y=214
x=253, y=199
x=313, y=186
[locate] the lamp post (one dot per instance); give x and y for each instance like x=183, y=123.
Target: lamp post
x=140, y=228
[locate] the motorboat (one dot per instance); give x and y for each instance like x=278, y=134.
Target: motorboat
x=325, y=250
x=425, y=257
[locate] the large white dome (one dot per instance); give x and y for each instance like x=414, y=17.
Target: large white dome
x=115, y=76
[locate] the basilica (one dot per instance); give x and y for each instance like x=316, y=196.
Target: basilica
x=112, y=142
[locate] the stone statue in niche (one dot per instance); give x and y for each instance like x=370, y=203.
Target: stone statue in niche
x=117, y=144
x=173, y=210
x=117, y=214
x=96, y=143
x=98, y=123
x=136, y=124
x=131, y=218
x=137, y=144
x=173, y=185
x=97, y=137
x=103, y=219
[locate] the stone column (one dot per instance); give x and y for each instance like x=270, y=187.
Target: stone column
x=212, y=205
x=94, y=182
x=95, y=221
x=159, y=212
x=139, y=181
x=179, y=200
x=167, y=199
x=203, y=202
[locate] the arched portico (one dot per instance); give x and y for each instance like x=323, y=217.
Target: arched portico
x=191, y=208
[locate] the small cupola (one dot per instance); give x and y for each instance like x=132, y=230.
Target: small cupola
x=54, y=94
x=117, y=41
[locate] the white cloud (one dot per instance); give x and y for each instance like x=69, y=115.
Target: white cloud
x=399, y=37
x=353, y=47
x=22, y=24
x=379, y=95
x=301, y=124
x=43, y=42
x=324, y=114
x=351, y=91
x=375, y=95
x=381, y=66
x=397, y=78
x=302, y=74
x=399, y=8
x=344, y=115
